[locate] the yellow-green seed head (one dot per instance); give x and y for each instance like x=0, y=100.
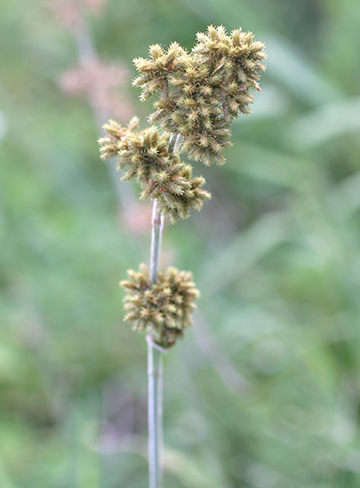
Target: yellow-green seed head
x=162, y=309
x=201, y=92
x=145, y=156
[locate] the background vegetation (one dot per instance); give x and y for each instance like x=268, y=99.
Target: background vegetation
x=264, y=391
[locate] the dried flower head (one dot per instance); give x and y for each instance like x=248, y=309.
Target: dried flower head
x=200, y=93
x=162, y=309
x=145, y=155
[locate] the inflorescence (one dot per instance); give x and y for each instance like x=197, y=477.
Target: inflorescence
x=198, y=95
x=162, y=309
x=201, y=92
x=145, y=155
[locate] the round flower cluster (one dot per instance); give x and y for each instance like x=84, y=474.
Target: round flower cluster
x=162, y=309
x=201, y=92
x=147, y=157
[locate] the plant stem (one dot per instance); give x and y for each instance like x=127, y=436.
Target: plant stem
x=156, y=233
x=155, y=378
x=155, y=416
x=155, y=369
x=87, y=53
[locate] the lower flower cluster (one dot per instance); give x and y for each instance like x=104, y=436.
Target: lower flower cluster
x=162, y=309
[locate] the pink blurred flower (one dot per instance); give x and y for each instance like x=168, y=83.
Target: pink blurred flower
x=136, y=218
x=100, y=81
x=71, y=12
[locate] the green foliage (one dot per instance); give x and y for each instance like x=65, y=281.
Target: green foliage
x=275, y=254
x=162, y=309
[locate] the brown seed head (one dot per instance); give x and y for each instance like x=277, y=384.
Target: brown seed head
x=162, y=309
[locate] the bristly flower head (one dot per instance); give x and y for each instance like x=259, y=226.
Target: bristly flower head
x=155, y=71
x=201, y=92
x=162, y=309
x=145, y=155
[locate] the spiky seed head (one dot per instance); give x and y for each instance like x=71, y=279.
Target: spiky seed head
x=162, y=309
x=145, y=156
x=210, y=85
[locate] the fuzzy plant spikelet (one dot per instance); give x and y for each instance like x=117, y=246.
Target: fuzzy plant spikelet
x=156, y=70
x=201, y=92
x=162, y=309
x=145, y=156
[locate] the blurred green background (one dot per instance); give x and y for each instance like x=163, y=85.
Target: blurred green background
x=264, y=391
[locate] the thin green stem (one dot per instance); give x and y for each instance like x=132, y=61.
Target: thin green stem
x=156, y=234
x=155, y=415
x=155, y=368
x=87, y=54
x=155, y=379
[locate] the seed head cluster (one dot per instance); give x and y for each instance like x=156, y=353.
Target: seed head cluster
x=162, y=309
x=146, y=156
x=197, y=96
x=201, y=92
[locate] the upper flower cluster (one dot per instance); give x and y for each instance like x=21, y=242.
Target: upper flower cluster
x=147, y=156
x=201, y=92
x=162, y=309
